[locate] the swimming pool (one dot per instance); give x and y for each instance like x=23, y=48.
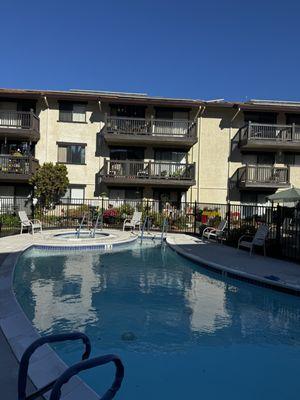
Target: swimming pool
x=181, y=331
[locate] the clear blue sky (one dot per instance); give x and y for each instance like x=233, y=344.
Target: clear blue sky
x=182, y=48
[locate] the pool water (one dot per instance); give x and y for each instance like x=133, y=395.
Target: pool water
x=82, y=235
x=181, y=331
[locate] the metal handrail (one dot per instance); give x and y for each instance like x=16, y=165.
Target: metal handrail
x=164, y=225
x=80, y=225
x=24, y=363
x=93, y=232
x=87, y=364
x=143, y=229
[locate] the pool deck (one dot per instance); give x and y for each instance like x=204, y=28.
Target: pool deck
x=265, y=271
x=16, y=331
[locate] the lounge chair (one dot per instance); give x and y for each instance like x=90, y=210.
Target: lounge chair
x=215, y=233
x=259, y=239
x=134, y=222
x=28, y=223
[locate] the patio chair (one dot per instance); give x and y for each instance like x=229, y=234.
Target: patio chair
x=134, y=222
x=28, y=223
x=259, y=239
x=215, y=233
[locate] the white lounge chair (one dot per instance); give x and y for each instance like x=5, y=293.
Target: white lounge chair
x=259, y=239
x=28, y=223
x=215, y=233
x=134, y=222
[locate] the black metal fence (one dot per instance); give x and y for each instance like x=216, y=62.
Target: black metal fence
x=188, y=217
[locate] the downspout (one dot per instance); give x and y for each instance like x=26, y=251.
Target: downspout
x=47, y=127
x=229, y=164
x=199, y=116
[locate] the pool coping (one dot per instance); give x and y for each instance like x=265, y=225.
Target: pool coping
x=233, y=273
x=45, y=364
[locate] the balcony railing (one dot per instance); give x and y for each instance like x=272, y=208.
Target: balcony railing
x=148, y=170
x=155, y=127
x=17, y=165
x=269, y=133
x=19, y=120
x=263, y=175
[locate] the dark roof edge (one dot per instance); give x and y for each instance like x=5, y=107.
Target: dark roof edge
x=115, y=97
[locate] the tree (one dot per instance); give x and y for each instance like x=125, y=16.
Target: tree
x=50, y=184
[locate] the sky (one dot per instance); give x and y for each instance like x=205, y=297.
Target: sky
x=214, y=49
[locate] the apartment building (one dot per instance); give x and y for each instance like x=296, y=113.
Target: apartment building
x=133, y=146
x=115, y=145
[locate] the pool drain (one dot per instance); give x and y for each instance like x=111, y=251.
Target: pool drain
x=128, y=336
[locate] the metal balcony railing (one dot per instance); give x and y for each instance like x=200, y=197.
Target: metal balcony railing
x=155, y=127
x=20, y=165
x=19, y=120
x=148, y=169
x=267, y=132
x=263, y=174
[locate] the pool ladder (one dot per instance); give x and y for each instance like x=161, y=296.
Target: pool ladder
x=164, y=229
x=86, y=363
x=81, y=225
x=99, y=221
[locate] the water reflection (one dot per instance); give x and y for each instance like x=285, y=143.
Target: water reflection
x=167, y=302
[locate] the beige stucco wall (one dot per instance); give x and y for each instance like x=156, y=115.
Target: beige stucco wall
x=53, y=131
x=216, y=154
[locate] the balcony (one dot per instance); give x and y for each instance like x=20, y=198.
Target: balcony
x=269, y=137
x=262, y=177
x=17, y=168
x=21, y=125
x=141, y=131
x=150, y=173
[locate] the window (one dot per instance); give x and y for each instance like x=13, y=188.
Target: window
x=266, y=158
x=289, y=158
x=254, y=198
x=171, y=113
x=171, y=156
x=74, y=194
x=126, y=110
x=71, y=153
x=127, y=194
x=72, y=112
x=293, y=119
x=135, y=153
x=260, y=117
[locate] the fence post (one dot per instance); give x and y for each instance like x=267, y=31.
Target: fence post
x=68, y=226
x=278, y=225
x=32, y=207
x=228, y=218
x=195, y=218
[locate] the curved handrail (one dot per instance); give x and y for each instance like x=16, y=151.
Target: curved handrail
x=87, y=364
x=24, y=363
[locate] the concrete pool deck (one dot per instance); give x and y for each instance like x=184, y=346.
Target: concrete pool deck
x=266, y=271
x=16, y=331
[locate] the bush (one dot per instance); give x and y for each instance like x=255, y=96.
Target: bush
x=9, y=220
x=126, y=210
x=51, y=183
x=236, y=233
x=111, y=216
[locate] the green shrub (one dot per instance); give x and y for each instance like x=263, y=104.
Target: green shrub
x=126, y=210
x=9, y=220
x=236, y=233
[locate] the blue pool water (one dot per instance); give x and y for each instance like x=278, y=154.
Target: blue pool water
x=193, y=334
